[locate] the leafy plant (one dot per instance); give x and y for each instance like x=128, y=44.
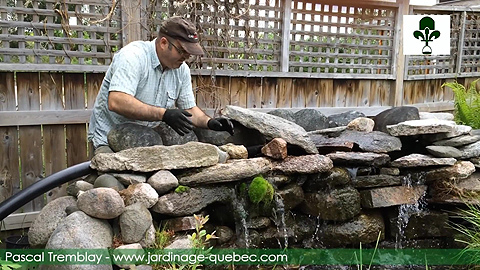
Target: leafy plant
x=467, y=104
x=470, y=233
x=6, y=265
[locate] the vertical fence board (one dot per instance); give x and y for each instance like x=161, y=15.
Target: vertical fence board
x=447, y=91
x=30, y=137
x=254, y=93
x=380, y=93
x=269, y=92
x=205, y=92
x=326, y=93
x=420, y=92
x=340, y=92
x=353, y=93
x=438, y=90
x=364, y=87
x=284, y=93
x=76, y=134
x=9, y=172
x=408, y=92
x=238, y=89
x=94, y=82
x=53, y=135
x=312, y=91
x=223, y=91
x=298, y=93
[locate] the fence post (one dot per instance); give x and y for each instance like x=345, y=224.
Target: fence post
x=132, y=11
x=285, y=53
x=461, y=41
x=396, y=99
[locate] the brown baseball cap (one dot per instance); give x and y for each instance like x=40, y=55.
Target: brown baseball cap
x=184, y=31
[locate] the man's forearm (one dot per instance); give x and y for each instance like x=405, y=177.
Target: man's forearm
x=199, y=118
x=132, y=108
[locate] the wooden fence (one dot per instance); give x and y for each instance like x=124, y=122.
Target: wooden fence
x=330, y=55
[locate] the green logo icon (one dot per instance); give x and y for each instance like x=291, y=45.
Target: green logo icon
x=427, y=33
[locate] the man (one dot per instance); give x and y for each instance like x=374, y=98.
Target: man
x=147, y=79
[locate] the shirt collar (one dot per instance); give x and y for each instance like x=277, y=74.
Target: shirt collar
x=153, y=55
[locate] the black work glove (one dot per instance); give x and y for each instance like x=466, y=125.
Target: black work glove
x=221, y=124
x=177, y=119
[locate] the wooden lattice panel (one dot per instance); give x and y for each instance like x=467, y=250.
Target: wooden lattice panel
x=53, y=32
x=430, y=66
x=235, y=34
x=331, y=38
x=471, y=46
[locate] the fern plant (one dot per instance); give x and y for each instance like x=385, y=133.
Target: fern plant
x=467, y=104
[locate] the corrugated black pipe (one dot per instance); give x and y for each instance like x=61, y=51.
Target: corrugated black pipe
x=20, y=199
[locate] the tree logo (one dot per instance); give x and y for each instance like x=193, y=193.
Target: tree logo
x=426, y=35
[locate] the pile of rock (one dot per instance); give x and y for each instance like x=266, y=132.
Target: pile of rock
x=344, y=182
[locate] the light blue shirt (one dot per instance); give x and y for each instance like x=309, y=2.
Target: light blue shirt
x=136, y=70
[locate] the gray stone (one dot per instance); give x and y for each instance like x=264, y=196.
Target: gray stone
x=130, y=135
x=80, y=231
x=292, y=196
x=223, y=156
x=283, y=113
x=361, y=124
x=152, y=158
x=424, y=224
x=365, y=228
x=130, y=178
x=419, y=160
x=77, y=186
x=438, y=116
x=48, y=219
x=235, y=151
x=91, y=177
x=102, y=149
x=326, y=144
x=223, y=234
x=444, y=151
x=390, y=171
x=342, y=119
x=277, y=179
x=149, y=240
x=376, y=141
x=458, y=130
x=171, y=137
x=134, y=222
x=191, y=201
x=381, y=180
x=471, y=150
x=212, y=137
x=179, y=224
x=417, y=127
x=104, y=203
x=358, y=158
x=163, y=182
x=71, y=209
x=389, y=196
x=337, y=205
x=108, y=181
x=394, y=116
x=233, y=170
x=310, y=119
x=468, y=187
x=272, y=126
x=332, y=132
x=130, y=247
x=336, y=177
x=140, y=193
x=181, y=242
x=303, y=164
x=258, y=223
x=459, y=141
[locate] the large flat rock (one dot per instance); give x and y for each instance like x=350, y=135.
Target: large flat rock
x=158, y=157
x=272, y=126
x=416, y=127
x=389, y=196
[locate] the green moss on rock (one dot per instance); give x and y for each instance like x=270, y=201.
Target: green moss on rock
x=260, y=190
x=181, y=189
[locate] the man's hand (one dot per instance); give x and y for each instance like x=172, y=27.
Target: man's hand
x=220, y=124
x=178, y=120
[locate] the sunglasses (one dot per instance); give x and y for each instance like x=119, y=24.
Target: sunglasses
x=180, y=51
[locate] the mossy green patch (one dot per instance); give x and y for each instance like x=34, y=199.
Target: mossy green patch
x=181, y=189
x=260, y=190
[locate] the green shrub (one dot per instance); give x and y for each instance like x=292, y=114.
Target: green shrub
x=467, y=104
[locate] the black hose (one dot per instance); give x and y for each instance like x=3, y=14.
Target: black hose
x=33, y=191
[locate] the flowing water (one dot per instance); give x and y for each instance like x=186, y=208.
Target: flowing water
x=405, y=211
x=279, y=215
x=241, y=229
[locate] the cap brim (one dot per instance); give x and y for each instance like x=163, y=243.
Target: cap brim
x=192, y=48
